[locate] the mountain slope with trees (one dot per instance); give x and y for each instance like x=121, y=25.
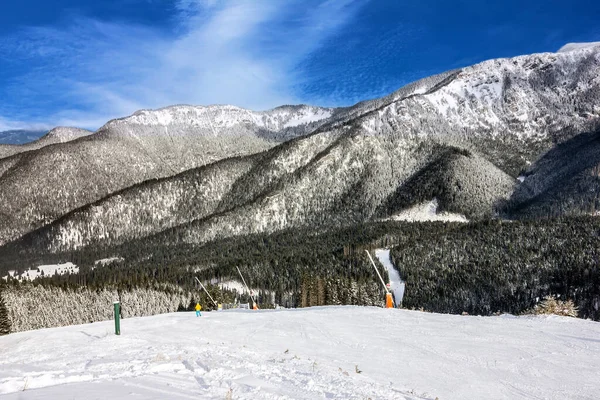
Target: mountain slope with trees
x=60, y=134
x=39, y=186
x=461, y=137
x=293, y=196
x=565, y=181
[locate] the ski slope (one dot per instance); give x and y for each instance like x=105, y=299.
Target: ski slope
x=307, y=354
x=396, y=283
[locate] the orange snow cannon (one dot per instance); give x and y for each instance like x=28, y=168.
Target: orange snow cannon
x=389, y=301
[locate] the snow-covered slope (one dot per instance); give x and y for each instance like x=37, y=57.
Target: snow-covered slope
x=48, y=182
x=397, y=285
x=59, y=134
x=351, y=165
x=427, y=211
x=332, y=353
x=576, y=46
x=46, y=270
x=280, y=123
x=207, y=117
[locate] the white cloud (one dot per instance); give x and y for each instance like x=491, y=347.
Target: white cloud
x=242, y=52
x=9, y=125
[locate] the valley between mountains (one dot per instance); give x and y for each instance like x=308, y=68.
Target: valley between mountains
x=294, y=195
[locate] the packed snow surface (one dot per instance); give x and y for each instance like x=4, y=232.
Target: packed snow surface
x=310, y=353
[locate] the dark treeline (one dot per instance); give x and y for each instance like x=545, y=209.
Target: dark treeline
x=480, y=268
x=282, y=265
x=4, y=319
x=502, y=266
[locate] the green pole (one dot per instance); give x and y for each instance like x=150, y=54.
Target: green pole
x=117, y=318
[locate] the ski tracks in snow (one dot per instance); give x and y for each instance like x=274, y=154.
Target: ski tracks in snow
x=200, y=361
x=317, y=353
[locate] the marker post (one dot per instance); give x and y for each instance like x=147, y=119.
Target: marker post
x=117, y=306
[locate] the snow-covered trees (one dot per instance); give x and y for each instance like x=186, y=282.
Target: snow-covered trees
x=357, y=164
x=480, y=268
x=5, y=324
x=502, y=266
x=555, y=306
x=33, y=306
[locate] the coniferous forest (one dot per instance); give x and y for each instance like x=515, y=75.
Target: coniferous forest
x=294, y=195
x=480, y=268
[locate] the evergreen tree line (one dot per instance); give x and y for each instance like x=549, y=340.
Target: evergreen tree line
x=41, y=304
x=277, y=266
x=503, y=266
x=481, y=268
x=5, y=324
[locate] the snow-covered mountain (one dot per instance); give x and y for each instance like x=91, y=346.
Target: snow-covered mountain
x=576, y=46
x=41, y=185
x=565, y=181
x=221, y=120
x=59, y=134
x=460, y=138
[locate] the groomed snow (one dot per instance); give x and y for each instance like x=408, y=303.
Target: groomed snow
x=307, y=354
x=396, y=283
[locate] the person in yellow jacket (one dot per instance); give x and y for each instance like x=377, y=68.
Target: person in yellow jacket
x=198, y=308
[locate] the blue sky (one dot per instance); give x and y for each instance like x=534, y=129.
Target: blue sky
x=80, y=63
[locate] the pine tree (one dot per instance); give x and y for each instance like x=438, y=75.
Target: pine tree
x=4, y=320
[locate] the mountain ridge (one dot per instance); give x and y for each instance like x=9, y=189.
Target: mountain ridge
x=60, y=134
x=118, y=156
x=500, y=115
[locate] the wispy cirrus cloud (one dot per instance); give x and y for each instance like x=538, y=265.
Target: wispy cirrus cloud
x=241, y=52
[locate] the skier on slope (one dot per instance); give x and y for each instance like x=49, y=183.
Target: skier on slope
x=198, y=308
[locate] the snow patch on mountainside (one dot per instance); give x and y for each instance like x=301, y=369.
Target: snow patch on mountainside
x=311, y=115
x=106, y=261
x=45, y=270
x=427, y=211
